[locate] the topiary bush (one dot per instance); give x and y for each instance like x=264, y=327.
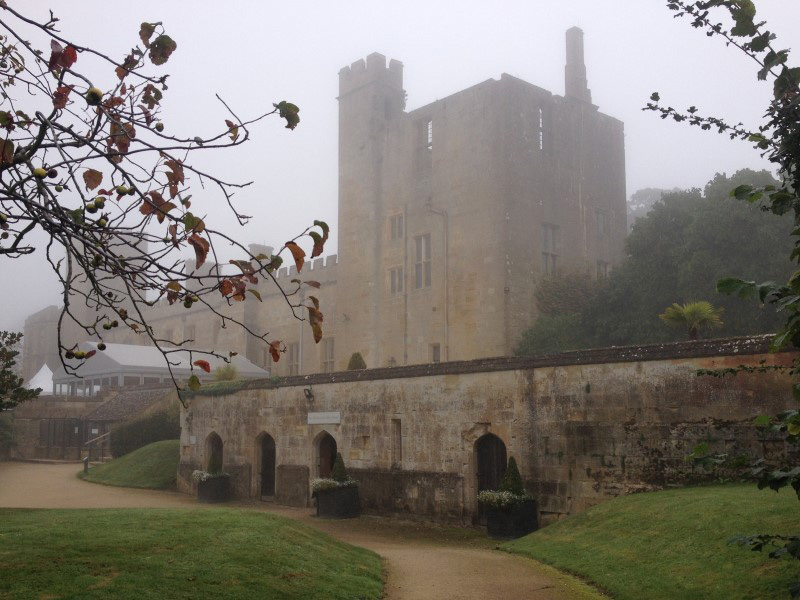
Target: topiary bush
x=512, y=480
x=339, y=472
x=226, y=372
x=152, y=427
x=356, y=362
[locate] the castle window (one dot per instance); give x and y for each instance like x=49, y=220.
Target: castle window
x=422, y=264
x=328, y=363
x=549, y=248
x=396, y=226
x=429, y=133
x=436, y=353
x=602, y=224
x=397, y=443
x=602, y=269
x=541, y=129
x=396, y=280
x=293, y=358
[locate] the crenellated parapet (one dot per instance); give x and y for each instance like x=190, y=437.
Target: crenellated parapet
x=374, y=70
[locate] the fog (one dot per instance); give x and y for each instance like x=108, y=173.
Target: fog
x=257, y=53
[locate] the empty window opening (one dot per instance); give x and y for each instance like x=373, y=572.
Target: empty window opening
x=293, y=358
x=422, y=264
x=602, y=269
x=396, y=280
x=429, y=135
x=549, y=248
x=436, y=353
x=397, y=443
x=396, y=226
x=541, y=129
x=328, y=363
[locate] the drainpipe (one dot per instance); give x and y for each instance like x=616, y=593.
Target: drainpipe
x=444, y=214
x=406, y=279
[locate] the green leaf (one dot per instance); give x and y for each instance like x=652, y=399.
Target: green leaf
x=288, y=111
x=194, y=383
x=732, y=285
x=742, y=192
x=161, y=49
x=762, y=421
x=255, y=293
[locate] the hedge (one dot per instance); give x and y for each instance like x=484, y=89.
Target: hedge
x=163, y=424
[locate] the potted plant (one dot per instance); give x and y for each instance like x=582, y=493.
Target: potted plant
x=510, y=511
x=337, y=497
x=213, y=485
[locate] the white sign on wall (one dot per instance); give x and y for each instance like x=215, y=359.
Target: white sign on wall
x=324, y=418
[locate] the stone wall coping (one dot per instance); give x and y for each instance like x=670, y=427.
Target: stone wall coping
x=616, y=354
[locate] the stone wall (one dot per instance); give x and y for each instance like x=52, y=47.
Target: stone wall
x=584, y=426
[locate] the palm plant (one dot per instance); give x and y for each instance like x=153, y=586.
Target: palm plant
x=694, y=316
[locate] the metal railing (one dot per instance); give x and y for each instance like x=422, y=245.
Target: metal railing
x=97, y=449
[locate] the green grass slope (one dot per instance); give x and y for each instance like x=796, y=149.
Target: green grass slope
x=177, y=553
x=673, y=544
x=154, y=466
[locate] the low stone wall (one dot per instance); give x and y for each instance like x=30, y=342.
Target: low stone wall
x=583, y=426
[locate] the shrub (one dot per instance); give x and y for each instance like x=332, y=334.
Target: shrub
x=151, y=427
x=226, y=372
x=356, y=362
x=339, y=472
x=320, y=485
x=512, y=480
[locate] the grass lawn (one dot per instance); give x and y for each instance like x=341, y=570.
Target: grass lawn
x=154, y=466
x=177, y=553
x=673, y=544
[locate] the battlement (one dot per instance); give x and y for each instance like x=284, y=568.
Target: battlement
x=321, y=268
x=374, y=70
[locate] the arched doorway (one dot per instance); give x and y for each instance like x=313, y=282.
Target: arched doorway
x=213, y=453
x=326, y=455
x=490, y=464
x=267, y=466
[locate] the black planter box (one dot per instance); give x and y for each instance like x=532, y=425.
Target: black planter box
x=217, y=489
x=512, y=522
x=338, y=503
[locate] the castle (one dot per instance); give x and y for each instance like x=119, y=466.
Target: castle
x=448, y=215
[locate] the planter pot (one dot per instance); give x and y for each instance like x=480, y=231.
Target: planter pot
x=338, y=503
x=512, y=522
x=217, y=489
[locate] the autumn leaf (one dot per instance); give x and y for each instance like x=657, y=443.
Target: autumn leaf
x=226, y=287
x=233, y=129
x=90, y=354
x=319, y=245
x=315, y=320
x=288, y=111
x=149, y=207
x=68, y=57
x=61, y=57
x=60, y=96
x=201, y=247
x=298, y=254
x=275, y=350
x=194, y=383
x=146, y=32
x=151, y=96
x=161, y=48
x=126, y=66
x=92, y=178
x=161, y=211
x=312, y=283
x=203, y=364
x=193, y=223
x=256, y=294
x=6, y=152
x=315, y=302
x=174, y=176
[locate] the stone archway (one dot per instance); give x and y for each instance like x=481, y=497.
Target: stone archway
x=265, y=448
x=325, y=450
x=214, y=455
x=490, y=466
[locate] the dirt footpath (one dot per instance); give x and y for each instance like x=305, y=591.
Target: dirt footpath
x=422, y=562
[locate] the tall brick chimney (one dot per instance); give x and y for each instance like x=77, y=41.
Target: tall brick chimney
x=576, y=85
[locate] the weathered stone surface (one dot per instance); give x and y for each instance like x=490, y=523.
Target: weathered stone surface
x=580, y=432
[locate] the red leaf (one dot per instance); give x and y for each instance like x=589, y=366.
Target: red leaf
x=92, y=178
x=275, y=351
x=90, y=354
x=201, y=247
x=60, y=96
x=149, y=207
x=68, y=57
x=56, y=50
x=298, y=254
x=319, y=244
x=203, y=364
x=6, y=152
x=314, y=284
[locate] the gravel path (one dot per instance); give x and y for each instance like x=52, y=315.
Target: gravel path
x=422, y=562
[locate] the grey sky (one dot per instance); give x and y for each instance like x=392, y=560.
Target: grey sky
x=256, y=53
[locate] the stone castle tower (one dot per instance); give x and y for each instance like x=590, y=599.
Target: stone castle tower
x=448, y=216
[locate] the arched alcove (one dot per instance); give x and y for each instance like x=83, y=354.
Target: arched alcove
x=214, y=453
x=490, y=461
x=325, y=450
x=265, y=449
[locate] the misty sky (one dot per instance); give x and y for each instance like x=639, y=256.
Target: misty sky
x=256, y=53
